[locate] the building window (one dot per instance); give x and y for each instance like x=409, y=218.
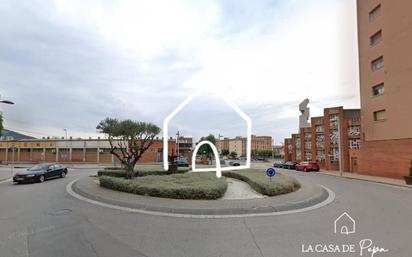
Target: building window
x=377, y=64
x=375, y=13
x=375, y=38
x=379, y=115
x=378, y=89
x=354, y=143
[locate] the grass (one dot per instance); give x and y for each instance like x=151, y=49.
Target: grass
x=259, y=181
x=178, y=186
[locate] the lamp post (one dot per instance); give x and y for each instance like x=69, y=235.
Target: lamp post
x=12, y=165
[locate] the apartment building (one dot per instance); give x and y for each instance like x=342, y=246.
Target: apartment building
x=337, y=131
x=71, y=150
x=385, y=63
x=184, y=147
x=238, y=144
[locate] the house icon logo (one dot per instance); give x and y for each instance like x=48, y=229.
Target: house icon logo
x=344, y=224
x=218, y=168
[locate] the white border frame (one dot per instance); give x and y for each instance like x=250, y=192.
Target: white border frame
x=218, y=169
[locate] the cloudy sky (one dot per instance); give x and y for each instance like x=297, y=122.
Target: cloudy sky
x=69, y=64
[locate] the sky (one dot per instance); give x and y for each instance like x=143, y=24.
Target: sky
x=69, y=64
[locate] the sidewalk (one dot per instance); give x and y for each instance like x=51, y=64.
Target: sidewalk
x=382, y=180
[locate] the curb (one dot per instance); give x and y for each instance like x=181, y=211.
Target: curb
x=368, y=180
x=327, y=196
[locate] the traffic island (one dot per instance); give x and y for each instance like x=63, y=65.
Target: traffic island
x=308, y=197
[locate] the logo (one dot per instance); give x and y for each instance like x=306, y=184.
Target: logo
x=345, y=224
x=218, y=168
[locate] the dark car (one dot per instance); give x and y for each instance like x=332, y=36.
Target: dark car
x=307, y=166
x=182, y=163
x=234, y=163
x=289, y=165
x=40, y=173
x=278, y=164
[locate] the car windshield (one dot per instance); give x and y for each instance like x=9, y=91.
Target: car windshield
x=39, y=167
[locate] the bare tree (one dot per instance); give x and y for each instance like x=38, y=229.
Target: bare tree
x=129, y=140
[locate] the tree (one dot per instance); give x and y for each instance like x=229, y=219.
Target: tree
x=233, y=154
x=129, y=140
x=1, y=124
x=206, y=148
x=225, y=152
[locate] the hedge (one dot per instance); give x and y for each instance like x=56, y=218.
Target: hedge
x=198, y=186
x=257, y=179
x=113, y=168
x=121, y=173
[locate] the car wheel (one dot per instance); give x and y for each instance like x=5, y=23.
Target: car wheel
x=41, y=179
x=63, y=174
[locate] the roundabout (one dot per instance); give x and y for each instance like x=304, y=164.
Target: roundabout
x=308, y=197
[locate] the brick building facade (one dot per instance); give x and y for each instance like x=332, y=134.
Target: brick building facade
x=336, y=129
x=72, y=150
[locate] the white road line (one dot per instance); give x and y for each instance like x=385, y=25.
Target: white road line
x=7, y=180
x=327, y=201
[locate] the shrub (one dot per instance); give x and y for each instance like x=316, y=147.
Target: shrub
x=410, y=169
x=150, y=172
x=179, y=186
x=113, y=168
x=112, y=173
x=258, y=180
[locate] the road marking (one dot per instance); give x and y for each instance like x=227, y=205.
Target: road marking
x=6, y=180
x=331, y=197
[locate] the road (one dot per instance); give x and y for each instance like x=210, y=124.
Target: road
x=41, y=220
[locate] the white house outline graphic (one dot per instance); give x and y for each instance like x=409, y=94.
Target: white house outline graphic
x=218, y=168
x=348, y=231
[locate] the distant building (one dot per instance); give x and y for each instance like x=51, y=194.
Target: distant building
x=279, y=151
x=385, y=67
x=238, y=144
x=71, y=150
x=336, y=129
x=185, y=147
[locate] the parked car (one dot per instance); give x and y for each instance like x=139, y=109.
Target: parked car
x=182, y=163
x=234, y=163
x=307, y=166
x=278, y=164
x=40, y=173
x=289, y=165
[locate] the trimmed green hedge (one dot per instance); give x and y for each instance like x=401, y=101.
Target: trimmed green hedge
x=113, y=168
x=121, y=173
x=257, y=179
x=198, y=186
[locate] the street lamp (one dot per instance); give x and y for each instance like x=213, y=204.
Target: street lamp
x=6, y=102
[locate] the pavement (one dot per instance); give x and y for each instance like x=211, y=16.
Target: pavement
x=43, y=220
x=382, y=180
x=308, y=195
x=237, y=190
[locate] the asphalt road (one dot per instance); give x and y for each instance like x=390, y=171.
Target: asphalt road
x=42, y=220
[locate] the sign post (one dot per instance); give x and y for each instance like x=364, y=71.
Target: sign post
x=270, y=172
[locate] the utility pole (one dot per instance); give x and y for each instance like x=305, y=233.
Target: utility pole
x=177, y=144
x=67, y=147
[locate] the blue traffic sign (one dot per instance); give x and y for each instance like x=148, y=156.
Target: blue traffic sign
x=270, y=172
